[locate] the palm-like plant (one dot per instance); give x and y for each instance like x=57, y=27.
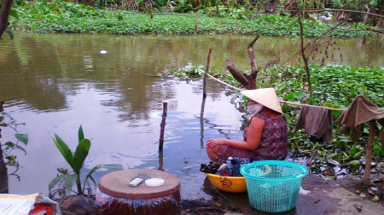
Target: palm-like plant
x=66, y=179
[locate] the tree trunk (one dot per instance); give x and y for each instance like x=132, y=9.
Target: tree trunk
x=3, y=167
x=248, y=81
x=4, y=14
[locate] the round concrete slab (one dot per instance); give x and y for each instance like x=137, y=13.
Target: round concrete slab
x=116, y=184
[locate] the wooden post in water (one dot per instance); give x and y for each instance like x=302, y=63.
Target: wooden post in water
x=162, y=126
x=161, y=161
x=202, y=123
x=205, y=74
x=368, y=159
x=203, y=101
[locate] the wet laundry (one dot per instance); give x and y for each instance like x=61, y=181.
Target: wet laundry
x=226, y=167
x=361, y=111
x=317, y=122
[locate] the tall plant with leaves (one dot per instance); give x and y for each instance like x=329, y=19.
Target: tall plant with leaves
x=66, y=179
x=6, y=157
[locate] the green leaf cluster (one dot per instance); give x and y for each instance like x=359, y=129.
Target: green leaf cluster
x=66, y=179
x=7, y=121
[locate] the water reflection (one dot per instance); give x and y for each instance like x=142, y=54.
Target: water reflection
x=55, y=83
x=52, y=66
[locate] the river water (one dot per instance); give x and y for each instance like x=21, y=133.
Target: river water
x=56, y=82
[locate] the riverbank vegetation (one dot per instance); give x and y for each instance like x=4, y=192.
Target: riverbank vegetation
x=185, y=17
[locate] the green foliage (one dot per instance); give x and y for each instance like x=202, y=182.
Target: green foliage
x=7, y=121
x=183, y=7
x=64, y=17
x=196, y=72
x=309, y=4
x=334, y=86
x=337, y=4
x=229, y=12
x=66, y=179
x=188, y=72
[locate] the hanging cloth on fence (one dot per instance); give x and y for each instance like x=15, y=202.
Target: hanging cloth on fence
x=360, y=111
x=317, y=121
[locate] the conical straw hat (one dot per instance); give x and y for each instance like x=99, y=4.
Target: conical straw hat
x=266, y=97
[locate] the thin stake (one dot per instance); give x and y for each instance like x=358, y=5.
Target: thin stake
x=162, y=126
x=202, y=122
x=205, y=74
x=368, y=159
x=161, y=161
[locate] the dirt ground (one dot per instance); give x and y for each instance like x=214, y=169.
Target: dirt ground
x=347, y=195
x=318, y=196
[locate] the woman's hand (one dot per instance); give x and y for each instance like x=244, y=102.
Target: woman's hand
x=216, y=142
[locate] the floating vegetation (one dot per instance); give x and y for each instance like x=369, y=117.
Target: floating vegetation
x=66, y=17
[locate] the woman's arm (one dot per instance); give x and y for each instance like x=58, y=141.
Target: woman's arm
x=255, y=131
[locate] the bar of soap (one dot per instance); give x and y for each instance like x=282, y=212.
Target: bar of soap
x=154, y=182
x=135, y=182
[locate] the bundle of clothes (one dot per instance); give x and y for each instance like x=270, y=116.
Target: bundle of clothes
x=226, y=167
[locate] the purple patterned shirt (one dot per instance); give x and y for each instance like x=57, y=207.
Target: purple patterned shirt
x=273, y=144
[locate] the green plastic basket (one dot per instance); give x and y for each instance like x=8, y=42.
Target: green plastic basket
x=273, y=186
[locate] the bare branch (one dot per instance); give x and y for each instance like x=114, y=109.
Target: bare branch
x=252, y=58
x=248, y=81
x=235, y=72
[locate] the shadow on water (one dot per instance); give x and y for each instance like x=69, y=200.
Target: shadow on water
x=55, y=83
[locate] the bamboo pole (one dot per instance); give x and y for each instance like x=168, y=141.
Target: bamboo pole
x=162, y=126
x=368, y=159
